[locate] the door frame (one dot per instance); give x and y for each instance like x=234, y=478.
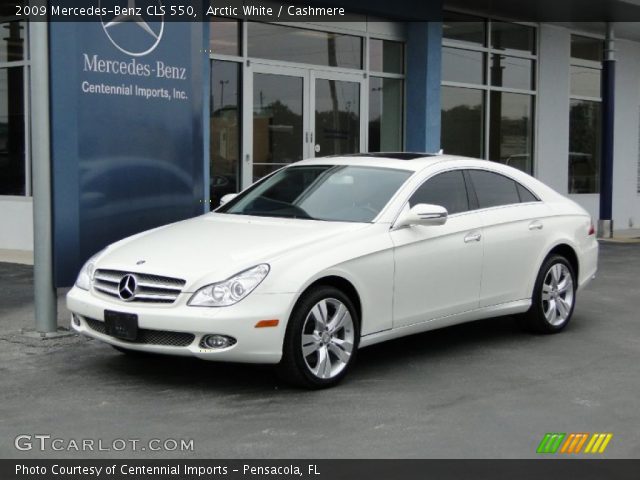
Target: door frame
x=308, y=76
x=359, y=78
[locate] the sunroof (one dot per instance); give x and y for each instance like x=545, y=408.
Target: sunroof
x=394, y=155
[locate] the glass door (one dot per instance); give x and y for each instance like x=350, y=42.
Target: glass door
x=279, y=118
x=299, y=113
x=338, y=122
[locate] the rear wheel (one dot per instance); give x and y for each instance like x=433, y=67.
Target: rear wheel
x=321, y=340
x=553, y=298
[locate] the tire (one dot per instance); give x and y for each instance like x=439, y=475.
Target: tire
x=554, y=297
x=329, y=352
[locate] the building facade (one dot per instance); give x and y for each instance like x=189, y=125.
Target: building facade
x=146, y=130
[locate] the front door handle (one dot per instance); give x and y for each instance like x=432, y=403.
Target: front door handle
x=535, y=225
x=472, y=237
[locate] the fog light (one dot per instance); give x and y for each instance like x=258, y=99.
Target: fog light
x=75, y=319
x=217, y=341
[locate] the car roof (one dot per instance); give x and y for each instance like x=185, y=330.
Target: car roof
x=411, y=161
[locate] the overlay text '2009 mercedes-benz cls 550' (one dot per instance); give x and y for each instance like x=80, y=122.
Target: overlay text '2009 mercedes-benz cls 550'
x=330, y=255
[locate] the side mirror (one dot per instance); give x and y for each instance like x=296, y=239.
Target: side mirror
x=227, y=198
x=422, y=214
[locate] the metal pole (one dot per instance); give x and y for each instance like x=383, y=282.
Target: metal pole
x=605, y=223
x=44, y=290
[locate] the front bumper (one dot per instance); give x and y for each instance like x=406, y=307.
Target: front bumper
x=254, y=345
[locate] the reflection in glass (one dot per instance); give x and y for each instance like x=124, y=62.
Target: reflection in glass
x=464, y=66
x=337, y=117
x=277, y=121
x=385, y=114
x=12, y=41
x=462, y=121
x=224, y=36
x=511, y=72
x=584, y=147
x=12, y=132
x=225, y=130
x=386, y=56
x=464, y=29
x=511, y=138
x=291, y=44
x=512, y=36
x=586, y=48
x=585, y=81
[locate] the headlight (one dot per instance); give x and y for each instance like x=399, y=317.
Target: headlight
x=230, y=291
x=86, y=273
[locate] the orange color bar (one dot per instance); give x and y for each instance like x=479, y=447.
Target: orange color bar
x=267, y=323
x=568, y=442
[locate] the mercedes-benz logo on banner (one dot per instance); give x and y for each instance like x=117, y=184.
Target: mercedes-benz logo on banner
x=127, y=287
x=135, y=28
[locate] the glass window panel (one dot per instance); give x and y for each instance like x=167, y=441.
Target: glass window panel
x=586, y=48
x=584, y=146
x=585, y=81
x=224, y=36
x=513, y=37
x=290, y=44
x=12, y=41
x=511, y=72
x=447, y=190
x=465, y=66
x=386, y=56
x=525, y=194
x=385, y=114
x=225, y=130
x=12, y=132
x=277, y=120
x=464, y=28
x=463, y=121
x=337, y=117
x=493, y=189
x=511, y=131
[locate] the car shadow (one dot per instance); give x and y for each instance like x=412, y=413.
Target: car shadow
x=449, y=344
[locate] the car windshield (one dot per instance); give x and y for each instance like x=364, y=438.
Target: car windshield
x=343, y=193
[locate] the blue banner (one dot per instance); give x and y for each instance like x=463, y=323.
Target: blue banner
x=127, y=131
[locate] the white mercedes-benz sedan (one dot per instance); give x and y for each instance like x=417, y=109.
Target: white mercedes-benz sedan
x=333, y=254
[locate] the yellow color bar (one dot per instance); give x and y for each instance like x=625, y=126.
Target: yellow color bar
x=598, y=442
x=607, y=439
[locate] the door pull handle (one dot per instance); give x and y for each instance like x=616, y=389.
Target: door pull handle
x=472, y=237
x=535, y=226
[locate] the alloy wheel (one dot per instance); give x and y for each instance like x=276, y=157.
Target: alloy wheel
x=327, y=338
x=557, y=294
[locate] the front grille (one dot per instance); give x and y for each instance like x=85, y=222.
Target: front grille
x=151, y=337
x=150, y=288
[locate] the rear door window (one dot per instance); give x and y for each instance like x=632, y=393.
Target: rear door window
x=493, y=189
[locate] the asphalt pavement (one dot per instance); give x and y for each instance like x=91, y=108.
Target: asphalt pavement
x=480, y=390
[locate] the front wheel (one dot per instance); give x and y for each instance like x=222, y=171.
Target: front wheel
x=553, y=298
x=321, y=341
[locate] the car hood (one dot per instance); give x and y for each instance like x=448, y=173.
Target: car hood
x=216, y=246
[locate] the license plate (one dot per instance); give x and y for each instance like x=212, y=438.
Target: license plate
x=121, y=325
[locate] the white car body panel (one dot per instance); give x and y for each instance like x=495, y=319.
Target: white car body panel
x=407, y=280
x=437, y=272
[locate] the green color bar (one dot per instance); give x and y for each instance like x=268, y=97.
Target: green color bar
x=551, y=442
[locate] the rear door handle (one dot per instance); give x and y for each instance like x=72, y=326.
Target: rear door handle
x=535, y=225
x=472, y=237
